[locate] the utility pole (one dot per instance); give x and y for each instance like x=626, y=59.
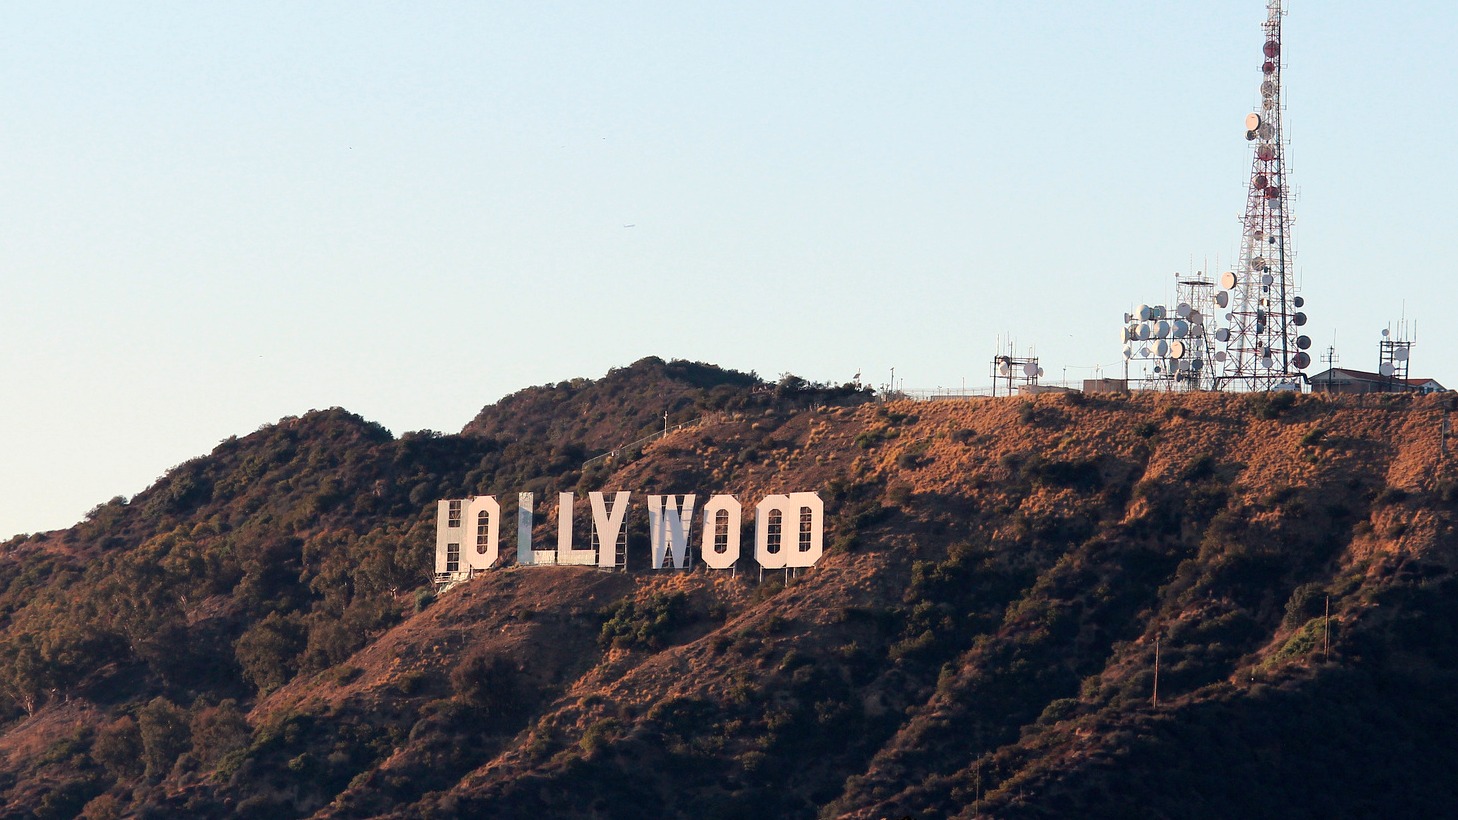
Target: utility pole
x=1326, y=632
x=1156, y=673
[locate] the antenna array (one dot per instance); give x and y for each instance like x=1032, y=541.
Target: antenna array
x=1265, y=345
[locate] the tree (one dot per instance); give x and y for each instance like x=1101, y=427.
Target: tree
x=164, y=732
x=269, y=652
x=118, y=747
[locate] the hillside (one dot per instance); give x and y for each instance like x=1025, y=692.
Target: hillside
x=255, y=635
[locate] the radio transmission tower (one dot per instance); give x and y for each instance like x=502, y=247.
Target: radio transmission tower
x=1264, y=344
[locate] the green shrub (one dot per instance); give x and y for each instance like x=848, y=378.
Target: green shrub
x=645, y=624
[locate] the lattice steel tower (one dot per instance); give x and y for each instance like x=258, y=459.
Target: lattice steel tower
x=1265, y=347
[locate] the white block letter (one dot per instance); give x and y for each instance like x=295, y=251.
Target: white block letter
x=448, y=535
x=807, y=524
x=668, y=528
x=722, y=516
x=565, y=553
x=608, y=526
x=483, y=532
x=525, y=555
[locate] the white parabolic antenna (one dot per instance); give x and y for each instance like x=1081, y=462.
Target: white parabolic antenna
x=1161, y=330
x=1400, y=354
x=1005, y=369
x=1182, y=310
x=1030, y=370
x=1386, y=369
x=1222, y=299
x=1221, y=355
x=1161, y=348
x=1177, y=350
x=1180, y=328
x=1252, y=122
x=1222, y=335
x=1227, y=280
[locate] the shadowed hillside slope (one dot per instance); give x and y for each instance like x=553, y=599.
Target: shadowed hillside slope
x=978, y=639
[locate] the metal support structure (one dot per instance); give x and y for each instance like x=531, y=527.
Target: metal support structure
x=1265, y=349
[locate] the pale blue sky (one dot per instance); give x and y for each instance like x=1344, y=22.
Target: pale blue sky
x=216, y=214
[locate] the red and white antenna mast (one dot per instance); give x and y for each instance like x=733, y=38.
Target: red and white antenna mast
x=1264, y=344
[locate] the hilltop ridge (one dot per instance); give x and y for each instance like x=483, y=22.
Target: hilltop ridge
x=979, y=637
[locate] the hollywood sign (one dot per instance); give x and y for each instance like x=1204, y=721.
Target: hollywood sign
x=789, y=532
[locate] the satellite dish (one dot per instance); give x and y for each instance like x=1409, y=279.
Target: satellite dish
x=1222, y=335
x=1197, y=365
x=1128, y=352
x=1145, y=313
x=1258, y=263
x=1161, y=348
x=1197, y=330
x=1030, y=370
x=1227, y=280
x=1303, y=342
x=1183, y=310
x=1272, y=49
x=1260, y=182
x=1158, y=370
x=1386, y=369
x=1145, y=331
x=1266, y=153
x=1221, y=355
x=1400, y=354
x=1144, y=352
x=1230, y=317
x=1222, y=299
x=1161, y=329
x=1299, y=318
x=1195, y=317
x=1266, y=130
x=1005, y=369
x=1176, y=350
x=1268, y=88
x=1267, y=279
x=1252, y=122
x=1385, y=332
x=1301, y=360
x=1180, y=328
x=1258, y=235
x=1298, y=302
x=1159, y=311
x=1040, y=371
x=1268, y=67
x=1267, y=362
